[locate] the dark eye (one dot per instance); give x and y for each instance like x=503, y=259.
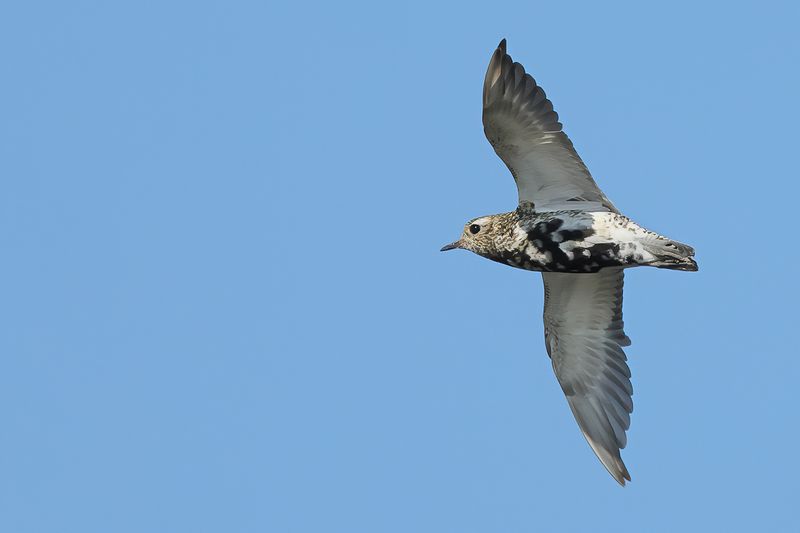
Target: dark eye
x=474, y=228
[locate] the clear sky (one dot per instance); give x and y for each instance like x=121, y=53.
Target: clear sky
x=224, y=308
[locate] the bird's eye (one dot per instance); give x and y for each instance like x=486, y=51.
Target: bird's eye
x=474, y=228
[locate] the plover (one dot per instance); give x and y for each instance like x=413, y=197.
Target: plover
x=566, y=228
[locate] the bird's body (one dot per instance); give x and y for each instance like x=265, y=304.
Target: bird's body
x=578, y=242
x=566, y=228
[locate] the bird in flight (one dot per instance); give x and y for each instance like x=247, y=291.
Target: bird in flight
x=566, y=228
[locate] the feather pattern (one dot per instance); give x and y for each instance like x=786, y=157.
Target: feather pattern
x=584, y=337
x=520, y=123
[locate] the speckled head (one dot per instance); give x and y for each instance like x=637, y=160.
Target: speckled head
x=481, y=234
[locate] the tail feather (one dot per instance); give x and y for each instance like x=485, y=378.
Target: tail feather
x=672, y=255
x=687, y=265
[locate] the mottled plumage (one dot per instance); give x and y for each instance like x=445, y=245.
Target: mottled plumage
x=566, y=228
x=572, y=241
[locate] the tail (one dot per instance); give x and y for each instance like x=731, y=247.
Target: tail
x=669, y=254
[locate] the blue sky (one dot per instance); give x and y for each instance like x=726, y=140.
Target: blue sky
x=224, y=307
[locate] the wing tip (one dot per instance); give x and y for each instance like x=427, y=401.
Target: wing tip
x=620, y=474
x=612, y=462
x=494, y=70
x=607, y=452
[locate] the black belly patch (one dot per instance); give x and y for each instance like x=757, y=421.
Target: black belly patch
x=517, y=259
x=580, y=259
x=575, y=234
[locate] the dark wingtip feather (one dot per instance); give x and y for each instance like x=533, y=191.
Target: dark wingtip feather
x=687, y=265
x=494, y=70
x=619, y=472
x=625, y=474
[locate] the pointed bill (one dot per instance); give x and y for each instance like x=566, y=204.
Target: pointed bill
x=451, y=246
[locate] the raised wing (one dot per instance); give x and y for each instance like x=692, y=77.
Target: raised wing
x=519, y=121
x=584, y=336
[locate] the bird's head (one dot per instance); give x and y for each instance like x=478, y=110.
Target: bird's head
x=479, y=236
